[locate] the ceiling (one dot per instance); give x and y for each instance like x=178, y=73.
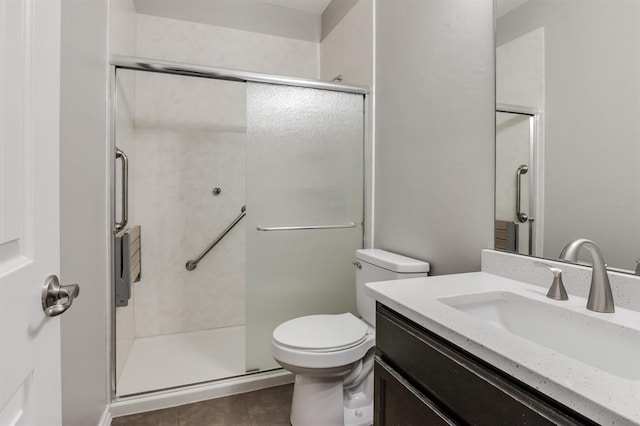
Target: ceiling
x=311, y=6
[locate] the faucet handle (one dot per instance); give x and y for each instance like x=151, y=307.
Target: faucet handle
x=557, y=290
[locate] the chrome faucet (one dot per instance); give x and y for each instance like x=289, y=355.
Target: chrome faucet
x=600, y=297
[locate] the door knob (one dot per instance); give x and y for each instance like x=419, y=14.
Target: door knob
x=57, y=298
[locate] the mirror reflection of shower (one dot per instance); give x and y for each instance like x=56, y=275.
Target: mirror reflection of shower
x=516, y=225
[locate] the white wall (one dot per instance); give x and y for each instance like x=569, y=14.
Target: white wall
x=182, y=41
x=434, y=130
x=84, y=211
x=520, y=71
x=592, y=82
x=247, y=15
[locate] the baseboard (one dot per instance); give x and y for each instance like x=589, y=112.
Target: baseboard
x=105, y=419
x=187, y=395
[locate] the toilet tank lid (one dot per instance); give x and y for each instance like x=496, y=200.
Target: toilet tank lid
x=392, y=262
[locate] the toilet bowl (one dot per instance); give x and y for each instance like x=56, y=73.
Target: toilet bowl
x=332, y=356
x=323, y=351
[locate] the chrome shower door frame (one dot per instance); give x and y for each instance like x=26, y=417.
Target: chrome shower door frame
x=175, y=68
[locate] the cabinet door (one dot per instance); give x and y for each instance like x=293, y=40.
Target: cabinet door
x=397, y=402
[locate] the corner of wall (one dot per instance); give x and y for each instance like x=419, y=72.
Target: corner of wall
x=84, y=210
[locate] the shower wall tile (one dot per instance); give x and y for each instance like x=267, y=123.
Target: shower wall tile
x=348, y=48
x=122, y=27
x=182, y=41
x=191, y=137
x=181, y=104
x=176, y=172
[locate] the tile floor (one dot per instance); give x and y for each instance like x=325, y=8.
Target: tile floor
x=266, y=407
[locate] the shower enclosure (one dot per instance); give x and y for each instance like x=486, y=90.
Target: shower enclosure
x=238, y=205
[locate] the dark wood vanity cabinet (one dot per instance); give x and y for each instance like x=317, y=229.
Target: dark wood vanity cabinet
x=422, y=379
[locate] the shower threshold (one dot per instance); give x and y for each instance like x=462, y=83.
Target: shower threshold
x=162, y=362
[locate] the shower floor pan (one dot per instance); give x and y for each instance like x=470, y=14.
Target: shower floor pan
x=163, y=362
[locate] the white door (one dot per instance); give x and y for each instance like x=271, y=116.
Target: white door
x=29, y=210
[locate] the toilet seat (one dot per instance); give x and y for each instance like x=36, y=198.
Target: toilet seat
x=322, y=341
x=321, y=333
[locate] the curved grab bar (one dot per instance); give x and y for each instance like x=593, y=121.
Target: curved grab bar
x=193, y=263
x=522, y=170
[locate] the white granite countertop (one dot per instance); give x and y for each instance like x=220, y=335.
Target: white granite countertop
x=599, y=395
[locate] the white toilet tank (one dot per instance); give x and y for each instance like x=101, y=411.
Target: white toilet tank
x=379, y=265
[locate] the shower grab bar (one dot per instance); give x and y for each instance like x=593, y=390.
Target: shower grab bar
x=302, y=228
x=522, y=170
x=193, y=263
x=124, y=215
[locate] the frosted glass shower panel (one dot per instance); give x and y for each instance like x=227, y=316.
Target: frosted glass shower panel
x=304, y=169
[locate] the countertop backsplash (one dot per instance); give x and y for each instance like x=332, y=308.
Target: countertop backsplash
x=576, y=278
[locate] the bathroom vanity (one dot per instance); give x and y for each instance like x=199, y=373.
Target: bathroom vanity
x=483, y=349
x=421, y=378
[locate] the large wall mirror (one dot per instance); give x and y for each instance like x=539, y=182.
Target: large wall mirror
x=568, y=127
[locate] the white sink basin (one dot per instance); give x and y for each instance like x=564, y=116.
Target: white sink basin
x=604, y=345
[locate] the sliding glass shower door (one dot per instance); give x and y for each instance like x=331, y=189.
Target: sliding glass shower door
x=181, y=319
x=305, y=207
x=245, y=207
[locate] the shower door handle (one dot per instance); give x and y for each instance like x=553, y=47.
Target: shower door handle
x=522, y=170
x=124, y=215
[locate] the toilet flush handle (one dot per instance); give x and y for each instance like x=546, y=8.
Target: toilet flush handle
x=357, y=264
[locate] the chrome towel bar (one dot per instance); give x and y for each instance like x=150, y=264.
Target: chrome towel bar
x=193, y=263
x=303, y=228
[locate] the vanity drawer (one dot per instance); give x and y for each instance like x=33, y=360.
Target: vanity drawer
x=464, y=386
x=398, y=402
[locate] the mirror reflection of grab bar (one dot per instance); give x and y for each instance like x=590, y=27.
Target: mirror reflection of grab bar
x=302, y=228
x=125, y=190
x=522, y=170
x=193, y=263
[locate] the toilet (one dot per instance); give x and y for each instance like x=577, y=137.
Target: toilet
x=332, y=356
